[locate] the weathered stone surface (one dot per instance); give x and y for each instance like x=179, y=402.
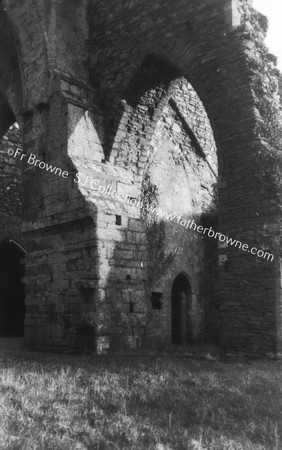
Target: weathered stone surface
x=11, y=185
x=136, y=106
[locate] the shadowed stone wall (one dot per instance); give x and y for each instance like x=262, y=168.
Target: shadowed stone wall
x=10, y=186
x=145, y=99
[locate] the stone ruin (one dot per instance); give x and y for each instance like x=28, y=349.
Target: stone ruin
x=121, y=121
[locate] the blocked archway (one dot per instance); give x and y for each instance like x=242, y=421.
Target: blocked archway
x=12, y=298
x=181, y=302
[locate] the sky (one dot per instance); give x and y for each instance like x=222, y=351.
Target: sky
x=272, y=9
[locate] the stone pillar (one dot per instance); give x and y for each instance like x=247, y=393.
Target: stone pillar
x=61, y=262
x=248, y=135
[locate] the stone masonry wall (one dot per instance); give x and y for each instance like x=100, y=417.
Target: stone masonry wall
x=184, y=186
x=101, y=111
x=62, y=262
x=11, y=186
x=218, y=47
x=184, y=176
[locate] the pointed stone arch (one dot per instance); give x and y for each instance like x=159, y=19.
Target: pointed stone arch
x=226, y=62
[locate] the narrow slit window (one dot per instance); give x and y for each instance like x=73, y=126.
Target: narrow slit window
x=118, y=220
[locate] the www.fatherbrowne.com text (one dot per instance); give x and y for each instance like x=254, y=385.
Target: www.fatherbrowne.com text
x=108, y=191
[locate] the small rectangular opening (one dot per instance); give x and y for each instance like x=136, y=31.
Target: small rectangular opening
x=118, y=220
x=157, y=300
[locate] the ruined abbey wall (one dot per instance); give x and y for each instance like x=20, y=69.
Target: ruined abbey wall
x=152, y=102
x=141, y=253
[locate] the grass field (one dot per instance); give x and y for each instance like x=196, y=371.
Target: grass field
x=86, y=402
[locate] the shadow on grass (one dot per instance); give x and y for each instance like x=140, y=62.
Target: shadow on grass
x=140, y=402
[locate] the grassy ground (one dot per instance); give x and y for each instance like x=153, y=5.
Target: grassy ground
x=161, y=403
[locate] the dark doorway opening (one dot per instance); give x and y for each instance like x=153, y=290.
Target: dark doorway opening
x=12, y=298
x=181, y=324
